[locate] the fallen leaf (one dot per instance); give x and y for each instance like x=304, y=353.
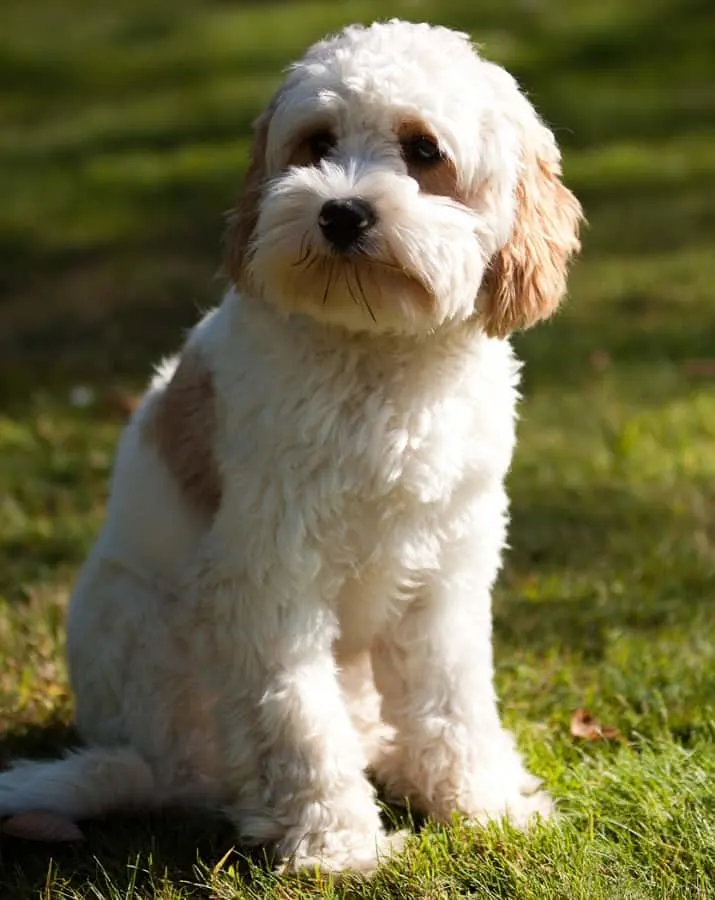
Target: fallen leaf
x=700, y=368
x=41, y=826
x=584, y=726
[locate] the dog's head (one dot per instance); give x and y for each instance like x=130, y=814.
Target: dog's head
x=398, y=182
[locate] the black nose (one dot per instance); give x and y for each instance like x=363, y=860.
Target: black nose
x=343, y=222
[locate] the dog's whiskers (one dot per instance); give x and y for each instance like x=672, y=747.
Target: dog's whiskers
x=354, y=297
x=382, y=263
x=363, y=295
x=328, y=281
x=303, y=251
x=314, y=258
x=359, y=299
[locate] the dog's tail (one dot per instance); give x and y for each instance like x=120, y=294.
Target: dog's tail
x=83, y=784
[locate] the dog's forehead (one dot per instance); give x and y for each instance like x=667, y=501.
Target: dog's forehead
x=368, y=75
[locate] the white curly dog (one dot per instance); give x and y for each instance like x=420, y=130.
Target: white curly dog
x=307, y=511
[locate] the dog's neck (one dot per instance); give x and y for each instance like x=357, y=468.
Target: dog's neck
x=371, y=348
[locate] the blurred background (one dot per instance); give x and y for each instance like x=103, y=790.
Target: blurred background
x=125, y=129
x=123, y=138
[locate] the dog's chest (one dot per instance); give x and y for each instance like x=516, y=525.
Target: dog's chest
x=396, y=479
x=356, y=467
x=391, y=521
x=375, y=466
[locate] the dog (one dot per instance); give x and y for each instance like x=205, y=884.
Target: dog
x=307, y=510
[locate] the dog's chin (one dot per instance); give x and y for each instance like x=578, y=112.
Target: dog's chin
x=356, y=292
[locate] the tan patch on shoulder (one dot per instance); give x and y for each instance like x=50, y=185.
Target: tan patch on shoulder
x=441, y=178
x=182, y=426
x=242, y=220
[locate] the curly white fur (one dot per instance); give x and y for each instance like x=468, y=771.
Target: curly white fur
x=307, y=511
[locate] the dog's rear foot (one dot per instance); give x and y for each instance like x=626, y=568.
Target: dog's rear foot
x=345, y=850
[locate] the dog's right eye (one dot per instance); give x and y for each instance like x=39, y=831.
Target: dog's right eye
x=422, y=150
x=320, y=145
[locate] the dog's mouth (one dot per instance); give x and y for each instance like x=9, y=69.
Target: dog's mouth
x=360, y=272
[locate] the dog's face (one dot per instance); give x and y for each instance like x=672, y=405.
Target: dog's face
x=399, y=182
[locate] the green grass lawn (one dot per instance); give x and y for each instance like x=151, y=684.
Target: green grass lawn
x=122, y=141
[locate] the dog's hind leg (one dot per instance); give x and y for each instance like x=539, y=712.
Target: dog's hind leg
x=139, y=708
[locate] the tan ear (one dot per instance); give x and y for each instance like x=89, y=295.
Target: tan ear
x=242, y=220
x=526, y=280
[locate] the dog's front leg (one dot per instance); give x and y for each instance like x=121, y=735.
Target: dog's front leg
x=434, y=670
x=292, y=761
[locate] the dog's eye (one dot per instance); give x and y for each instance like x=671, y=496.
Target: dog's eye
x=422, y=150
x=320, y=144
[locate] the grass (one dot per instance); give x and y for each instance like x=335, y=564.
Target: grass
x=122, y=141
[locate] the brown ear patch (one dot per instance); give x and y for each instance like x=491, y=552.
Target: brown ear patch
x=182, y=425
x=242, y=220
x=526, y=280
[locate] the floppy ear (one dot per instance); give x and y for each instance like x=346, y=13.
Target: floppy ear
x=242, y=220
x=526, y=280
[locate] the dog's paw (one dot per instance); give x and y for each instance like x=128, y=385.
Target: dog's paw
x=519, y=810
x=507, y=790
x=490, y=786
x=341, y=851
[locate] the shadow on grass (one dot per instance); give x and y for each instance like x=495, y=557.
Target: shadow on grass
x=167, y=843
x=126, y=850
x=596, y=560
x=36, y=741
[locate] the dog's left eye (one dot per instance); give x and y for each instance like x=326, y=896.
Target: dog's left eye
x=320, y=145
x=422, y=150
